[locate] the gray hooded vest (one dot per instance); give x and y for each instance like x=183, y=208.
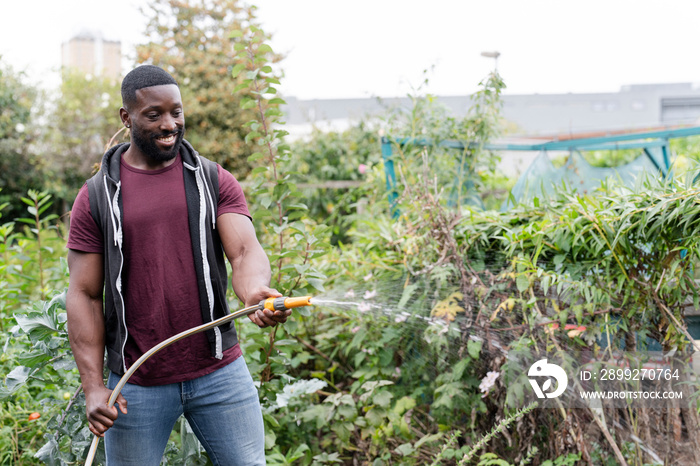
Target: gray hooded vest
x=202, y=195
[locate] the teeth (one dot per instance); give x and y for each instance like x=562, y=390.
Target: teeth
x=168, y=139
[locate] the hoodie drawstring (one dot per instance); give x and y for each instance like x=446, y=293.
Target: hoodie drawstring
x=204, y=195
x=115, y=214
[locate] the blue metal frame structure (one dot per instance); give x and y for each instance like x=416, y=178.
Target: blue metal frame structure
x=644, y=140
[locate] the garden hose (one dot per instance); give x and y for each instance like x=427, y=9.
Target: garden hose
x=272, y=304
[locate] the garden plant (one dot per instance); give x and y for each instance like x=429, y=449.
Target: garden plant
x=422, y=303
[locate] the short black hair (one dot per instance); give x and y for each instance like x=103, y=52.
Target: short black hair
x=140, y=77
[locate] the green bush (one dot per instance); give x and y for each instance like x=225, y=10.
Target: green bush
x=352, y=155
x=417, y=308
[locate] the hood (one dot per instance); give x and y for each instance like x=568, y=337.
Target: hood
x=111, y=160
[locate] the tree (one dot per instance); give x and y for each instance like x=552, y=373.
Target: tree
x=18, y=170
x=191, y=39
x=83, y=121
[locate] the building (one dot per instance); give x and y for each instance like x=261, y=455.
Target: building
x=91, y=54
x=529, y=118
x=634, y=107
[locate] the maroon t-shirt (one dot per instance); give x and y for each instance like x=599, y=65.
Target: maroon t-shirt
x=160, y=286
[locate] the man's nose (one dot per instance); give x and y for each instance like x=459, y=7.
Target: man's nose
x=168, y=123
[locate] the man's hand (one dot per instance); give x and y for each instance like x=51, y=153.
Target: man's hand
x=265, y=317
x=100, y=417
x=250, y=266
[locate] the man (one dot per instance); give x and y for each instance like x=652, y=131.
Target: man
x=150, y=229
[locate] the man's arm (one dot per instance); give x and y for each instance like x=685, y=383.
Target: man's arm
x=251, y=267
x=86, y=332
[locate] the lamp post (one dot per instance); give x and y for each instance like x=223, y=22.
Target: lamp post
x=495, y=54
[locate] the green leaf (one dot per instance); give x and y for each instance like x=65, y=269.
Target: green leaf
x=37, y=326
x=255, y=156
x=242, y=86
x=407, y=295
x=474, y=348
x=316, y=283
x=403, y=404
x=383, y=398
x=237, y=69
x=66, y=363
x=262, y=214
x=264, y=48
x=522, y=282
x=258, y=170
x=17, y=377
x=265, y=200
x=428, y=439
x=248, y=103
x=251, y=136
x=405, y=449
x=49, y=452
x=270, y=439
x=298, y=453
x=33, y=358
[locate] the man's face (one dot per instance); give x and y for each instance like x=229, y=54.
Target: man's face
x=158, y=122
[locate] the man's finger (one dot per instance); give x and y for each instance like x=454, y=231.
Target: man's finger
x=121, y=401
x=101, y=419
x=267, y=318
x=98, y=428
x=271, y=317
x=281, y=317
x=255, y=318
x=265, y=322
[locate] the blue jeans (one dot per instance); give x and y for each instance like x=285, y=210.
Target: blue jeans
x=222, y=408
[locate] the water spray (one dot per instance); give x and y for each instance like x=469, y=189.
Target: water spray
x=271, y=304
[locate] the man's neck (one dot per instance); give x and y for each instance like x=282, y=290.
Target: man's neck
x=137, y=159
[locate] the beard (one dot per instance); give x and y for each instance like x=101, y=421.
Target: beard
x=147, y=144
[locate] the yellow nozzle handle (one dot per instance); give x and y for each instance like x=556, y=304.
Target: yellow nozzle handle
x=283, y=303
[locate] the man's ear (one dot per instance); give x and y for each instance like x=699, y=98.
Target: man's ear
x=124, y=115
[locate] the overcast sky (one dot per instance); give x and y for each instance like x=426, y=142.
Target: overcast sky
x=364, y=48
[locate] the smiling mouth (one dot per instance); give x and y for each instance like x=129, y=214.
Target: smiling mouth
x=167, y=139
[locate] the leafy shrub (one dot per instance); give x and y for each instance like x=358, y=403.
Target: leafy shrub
x=350, y=156
x=401, y=371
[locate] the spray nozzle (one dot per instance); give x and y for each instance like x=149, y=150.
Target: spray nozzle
x=284, y=303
